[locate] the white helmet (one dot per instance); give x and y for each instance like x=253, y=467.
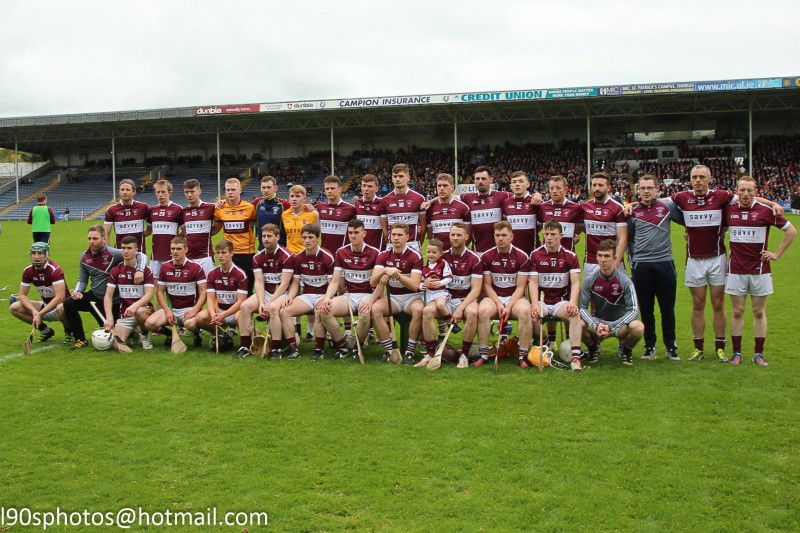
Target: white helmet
x=102, y=339
x=565, y=351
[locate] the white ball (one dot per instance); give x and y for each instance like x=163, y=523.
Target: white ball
x=102, y=339
x=565, y=351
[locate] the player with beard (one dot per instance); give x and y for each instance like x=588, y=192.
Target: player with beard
x=199, y=225
x=129, y=216
x=521, y=213
x=368, y=210
x=166, y=217
x=603, y=219
x=445, y=210
x=404, y=206
x=566, y=212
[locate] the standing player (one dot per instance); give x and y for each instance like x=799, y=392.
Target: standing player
x=521, y=213
x=556, y=272
x=368, y=210
x=485, y=209
x=41, y=218
x=272, y=269
x=129, y=216
x=181, y=293
x=749, y=269
x=404, y=206
x=314, y=268
x=237, y=218
x=445, y=211
x=652, y=266
x=48, y=278
x=165, y=217
x=353, y=266
x=565, y=212
x=608, y=306
x=295, y=218
x=334, y=215
x=269, y=208
x=226, y=291
x=198, y=225
x=505, y=278
x=399, y=267
x=133, y=300
x=603, y=219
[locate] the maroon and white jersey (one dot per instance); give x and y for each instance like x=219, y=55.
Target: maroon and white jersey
x=370, y=214
x=271, y=266
x=504, y=268
x=553, y=269
x=181, y=282
x=165, y=219
x=439, y=271
x=464, y=268
x=441, y=216
x=356, y=267
x=314, y=271
x=405, y=208
x=601, y=220
x=333, y=221
x=484, y=212
x=227, y=285
x=407, y=262
x=197, y=223
x=749, y=236
x=522, y=215
x=44, y=279
x=704, y=221
x=568, y=214
x=121, y=277
x=129, y=220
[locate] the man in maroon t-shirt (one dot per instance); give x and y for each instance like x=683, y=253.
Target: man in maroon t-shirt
x=165, y=218
x=199, y=225
x=566, y=212
x=521, y=213
x=505, y=277
x=368, y=210
x=445, y=210
x=748, y=268
x=603, y=219
x=404, y=206
x=129, y=216
x=334, y=215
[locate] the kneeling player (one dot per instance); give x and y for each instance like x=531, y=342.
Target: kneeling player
x=505, y=276
x=134, y=298
x=556, y=272
x=612, y=297
x=226, y=291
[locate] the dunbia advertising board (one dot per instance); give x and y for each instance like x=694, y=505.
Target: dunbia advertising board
x=504, y=96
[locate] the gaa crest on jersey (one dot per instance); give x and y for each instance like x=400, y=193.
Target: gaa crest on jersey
x=401, y=203
x=745, y=215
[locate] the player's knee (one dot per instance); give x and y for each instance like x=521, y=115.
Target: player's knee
x=759, y=314
x=637, y=328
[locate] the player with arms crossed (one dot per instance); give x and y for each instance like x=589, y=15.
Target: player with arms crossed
x=505, y=278
x=556, y=272
x=129, y=216
x=404, y=206
x=610, y=293
x=165, y=217
x=134, y=298
x=749, y=265
x=445, y=210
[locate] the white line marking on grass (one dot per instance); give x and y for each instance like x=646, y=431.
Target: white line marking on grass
x=22, y=354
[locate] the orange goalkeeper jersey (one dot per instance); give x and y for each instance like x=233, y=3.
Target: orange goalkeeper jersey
x=293, y=225
x=238, y=224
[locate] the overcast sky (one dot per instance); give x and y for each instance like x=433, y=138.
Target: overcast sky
x=74, y=57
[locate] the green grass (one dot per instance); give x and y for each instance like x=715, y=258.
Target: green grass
x=336, y=446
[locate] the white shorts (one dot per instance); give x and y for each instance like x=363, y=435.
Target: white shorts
x=230, y=320
x=504, y=300
x=179, y=314
x=51, y=316
x=155, y=268
x=752, y=284
x=355, y=299
x=126, y=322
x=268, y=297
x=206, y=262
x=551, y=309
x=432, y=295
x=311, y=299
x=706, y=271
x=453, y=303
x=402, y=301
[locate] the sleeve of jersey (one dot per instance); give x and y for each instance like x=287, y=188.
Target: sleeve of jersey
x=288, y=265
x=108, y=217
x=632, y=307
x=782, y=223
x=574, y=266
x=57, y=275
x=418, y=265
x=621, y=221
x=477, y=270
x=255, y=264
x=381, y=261
x=148, y=277
x=112, y=279
x=200, y=277
x=525, y=267
x=329, y=267
x=243, y=285
x=447, y=275
x=253, y=212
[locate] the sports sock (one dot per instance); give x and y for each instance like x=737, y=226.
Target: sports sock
x=484, y=351
x=319, y=343
x=387, y=345
x=626, y=349
x=341, y=344
x=551, y=336
x=736, y=342
x=411, y=347
x=275, y=344
x=760, y=344
x=442, y=328
x=719, y=344
x=465, y=348
x=522, y=353
x=246, y=341
x=698, y=343
x=44, y=328
x=291, y=343
x=430, y=348
x=576, y=352
x=348, y=326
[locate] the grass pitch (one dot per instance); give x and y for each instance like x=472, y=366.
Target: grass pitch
x=336, y=446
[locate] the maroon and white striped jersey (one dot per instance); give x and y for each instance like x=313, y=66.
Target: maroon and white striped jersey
x=271, y=266
x=407, y=262
x=704, y=224
x=129, y=220
x=165, y=220
x=553, y=270
x=568, y=214
x=227, y=285
x=442, y=215
x=439, y=271
x=181, y=282
x=405, y=208
x=333, y=221
x=314, y=271
x=121, y=277
x=504, y=268
x=356, y=267
x=484, y=212
x=44, y=279
x=370, y=214
x=749, y=236
x=197, y=222
x=601, y=221
x=522, y=215
x=464, y=268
